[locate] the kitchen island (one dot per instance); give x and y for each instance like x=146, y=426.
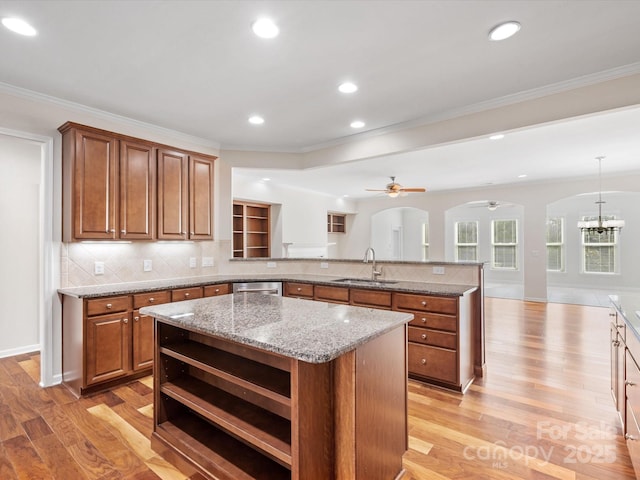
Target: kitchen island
x=251, y=386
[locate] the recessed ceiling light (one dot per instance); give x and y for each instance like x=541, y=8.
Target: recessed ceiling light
x=19, y=26
x=523, y=175
x=256, y=120
x=265, y=28
x=357, y=124
x=504, y=30
x=497, y=136
x=348, y=87
x=345, y=195
x=266, y=179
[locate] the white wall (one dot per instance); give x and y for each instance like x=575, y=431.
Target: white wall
x=302, y=218
x=20, y=182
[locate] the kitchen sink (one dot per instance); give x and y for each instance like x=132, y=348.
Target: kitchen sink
x=364, y=281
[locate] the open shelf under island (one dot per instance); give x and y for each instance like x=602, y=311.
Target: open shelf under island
x=251, y=386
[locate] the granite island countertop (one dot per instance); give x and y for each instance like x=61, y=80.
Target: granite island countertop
x=314, y=332
x=95, y=291
x=629, y=307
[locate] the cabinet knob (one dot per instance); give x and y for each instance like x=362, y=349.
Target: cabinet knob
x=217, y=290
x=424, y=320
x=299, y=289
x=123, y=231
x=612, y=314
x=628, y=436
x=192, y=233
x=424, y=336
x=423, y=361
x=424, y=303
x=136, y=318
x=151, y=300
x=620, y=325
x=125, y=320
x=186, y=294
x=109, y=305
x=183, y=233
x=629, y=383
x=113, y=230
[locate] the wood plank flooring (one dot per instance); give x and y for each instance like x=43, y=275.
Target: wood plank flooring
x=543, y=412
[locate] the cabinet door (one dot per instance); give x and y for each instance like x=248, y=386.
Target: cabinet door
x=107, y=347
x=172, y=195
x=94, y=184
x=142, y=341
x=137, y=190
x=200, y=198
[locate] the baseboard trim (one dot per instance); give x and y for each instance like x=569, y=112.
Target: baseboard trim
x=12, y=352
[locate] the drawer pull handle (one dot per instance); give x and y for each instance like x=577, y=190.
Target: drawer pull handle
x=424, y=320
x=628, y=436
x=151, y=300
x=612, y=314
x=109, y=305
x=136, y=318
x=186, y=294
x=423, y=361
x=424, y=303
x=299, y=289
x=424, y=336
x=620, y=326
x=125, y=320
x=629, y=383
x=217, y=290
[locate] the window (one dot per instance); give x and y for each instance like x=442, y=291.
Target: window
x=599, y=249
x=504, y=241
x=467, y=241
x=425, y=241
x=555, y=244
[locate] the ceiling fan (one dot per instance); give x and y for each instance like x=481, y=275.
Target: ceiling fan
x=394, y=189
x=490, y=204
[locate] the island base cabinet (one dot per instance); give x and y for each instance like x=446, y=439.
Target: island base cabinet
x=231, y=411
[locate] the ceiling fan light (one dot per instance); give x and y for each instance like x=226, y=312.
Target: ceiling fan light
x=393, y=194
x=492, y=207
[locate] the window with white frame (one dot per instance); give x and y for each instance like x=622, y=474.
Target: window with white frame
x=599, y=249
x=555, y=244
x=425, y=241
x=467, y=241
x=504, y=242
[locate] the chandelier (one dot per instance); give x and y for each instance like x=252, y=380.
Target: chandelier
x=600, y=226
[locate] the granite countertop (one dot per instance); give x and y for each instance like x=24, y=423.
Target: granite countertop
x=314, y=332
x=629, y=307
x=94, y=291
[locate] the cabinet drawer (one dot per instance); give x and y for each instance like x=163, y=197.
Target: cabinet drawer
x=435, y=321
x=632, y=431
x=425, y=303
x=331, y=294
x=371, y=298
x=632, y=386
x=152, y=298
x=433, y=337
x=215, y=290
x=180, y=294
x=433, y=362
x=101, y=306
x=293, y=289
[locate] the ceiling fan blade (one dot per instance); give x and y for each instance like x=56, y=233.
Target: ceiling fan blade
x=374, y=190
x=416, y=189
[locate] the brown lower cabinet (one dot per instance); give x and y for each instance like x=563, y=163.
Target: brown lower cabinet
x=440, y=350
x=106, y=341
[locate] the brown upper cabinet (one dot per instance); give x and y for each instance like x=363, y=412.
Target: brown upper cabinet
x=336, y=223
x=123, y=188
x=251, y=230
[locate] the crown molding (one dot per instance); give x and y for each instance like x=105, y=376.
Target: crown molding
x=6, y=88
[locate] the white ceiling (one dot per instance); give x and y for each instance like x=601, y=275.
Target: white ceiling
x=196, y=67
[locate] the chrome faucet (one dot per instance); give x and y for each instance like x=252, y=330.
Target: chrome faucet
x=374, y=273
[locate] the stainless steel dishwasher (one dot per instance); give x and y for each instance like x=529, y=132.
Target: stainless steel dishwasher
x=265, y=288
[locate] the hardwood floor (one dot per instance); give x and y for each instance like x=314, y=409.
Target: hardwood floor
x=543, y=412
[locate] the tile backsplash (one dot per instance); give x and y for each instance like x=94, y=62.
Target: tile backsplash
x=124, y=262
